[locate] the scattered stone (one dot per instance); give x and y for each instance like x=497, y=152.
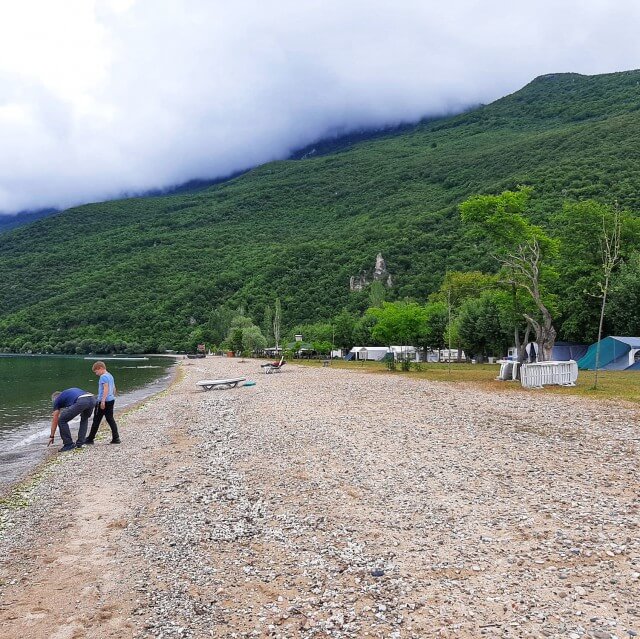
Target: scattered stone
x=260, y=512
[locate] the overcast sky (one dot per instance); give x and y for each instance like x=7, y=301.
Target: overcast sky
x=104, y=97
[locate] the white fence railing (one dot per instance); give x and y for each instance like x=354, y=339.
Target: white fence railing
x=508, y=370
x=542, y=374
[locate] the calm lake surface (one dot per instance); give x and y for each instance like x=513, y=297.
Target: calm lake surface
x=26, y=384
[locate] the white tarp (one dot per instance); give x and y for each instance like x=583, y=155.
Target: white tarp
x=375, y=353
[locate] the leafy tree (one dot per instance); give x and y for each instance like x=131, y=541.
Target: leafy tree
x=234, y=339
x=244, y=336
x=267, y=323
x=197, y=336
x=436, y=323
x=400, y=323
x=480, y=325
x=625, y=298
x=579, y=227
x=277, y=322
x=459, y=286
x=133, y=348
x=318, y=331
x=363, y=331
x=344, y=325
x=218, y=324
x=610, y=254
x=377, y=294
x=521, y=248
x=322, y=348
x=456, y=288
x=241, y=321
x=252, y=339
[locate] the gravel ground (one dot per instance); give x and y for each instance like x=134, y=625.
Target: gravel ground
x=332, y=503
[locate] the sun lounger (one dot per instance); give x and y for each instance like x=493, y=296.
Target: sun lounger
x=209, y=384
x=273, y=367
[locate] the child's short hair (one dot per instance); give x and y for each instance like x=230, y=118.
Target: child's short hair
x=55, y=395
x=98, y=365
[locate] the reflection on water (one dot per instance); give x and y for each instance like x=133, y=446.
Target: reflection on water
x=26, y=384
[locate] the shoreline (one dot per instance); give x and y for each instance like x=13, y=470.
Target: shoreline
x=326, y=502
x=8, y=489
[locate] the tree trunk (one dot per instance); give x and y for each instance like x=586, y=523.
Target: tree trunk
x=277, y=319
x=545, y=333
x=526, y=265
x=521, y=352
x=604, y=303
x=524, y=343
x=516, y=330
x=548, y=337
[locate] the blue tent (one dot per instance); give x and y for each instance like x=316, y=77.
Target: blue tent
x=564, y=351
x=616, y=354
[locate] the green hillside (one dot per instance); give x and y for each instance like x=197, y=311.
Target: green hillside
x=148, y=270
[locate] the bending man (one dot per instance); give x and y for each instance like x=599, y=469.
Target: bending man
x=66, y=405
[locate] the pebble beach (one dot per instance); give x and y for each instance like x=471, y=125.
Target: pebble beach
x=333, y=503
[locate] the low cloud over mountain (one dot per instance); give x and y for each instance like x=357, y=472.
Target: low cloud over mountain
x=104, y=97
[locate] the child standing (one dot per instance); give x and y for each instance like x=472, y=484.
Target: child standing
x=105, y=403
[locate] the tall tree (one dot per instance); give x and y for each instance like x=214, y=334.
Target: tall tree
x=344, y=324
x=480, y=324
x=398, y=323
x=521, y=248
x=239, y=323
x=459, y=286
x=218, y=324
x=610, y=252
x=456, y=288
x=362, y=331
x=436, y=325
x=579, y=227
x=277, y=322
x=267, y=323
x=252, y=339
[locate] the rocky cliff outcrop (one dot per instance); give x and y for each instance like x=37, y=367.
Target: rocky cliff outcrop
x=379, y=274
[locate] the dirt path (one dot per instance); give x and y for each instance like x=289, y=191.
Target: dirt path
x=332, y=503
x=66, y=569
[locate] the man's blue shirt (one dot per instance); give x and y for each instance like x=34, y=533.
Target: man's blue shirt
x=67, y=398
x=106, y=378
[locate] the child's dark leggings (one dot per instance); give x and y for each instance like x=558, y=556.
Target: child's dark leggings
x=97, y=418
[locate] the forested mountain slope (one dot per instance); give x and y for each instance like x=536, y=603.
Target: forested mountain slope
x=8, y=222
x=148, y=270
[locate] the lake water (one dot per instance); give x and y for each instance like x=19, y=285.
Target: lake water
x=26, y=384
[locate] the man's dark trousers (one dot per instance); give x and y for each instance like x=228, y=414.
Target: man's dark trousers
x=83, y=406
x=97, y=418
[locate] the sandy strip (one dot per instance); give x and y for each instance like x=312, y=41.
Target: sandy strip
x=329, y=503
